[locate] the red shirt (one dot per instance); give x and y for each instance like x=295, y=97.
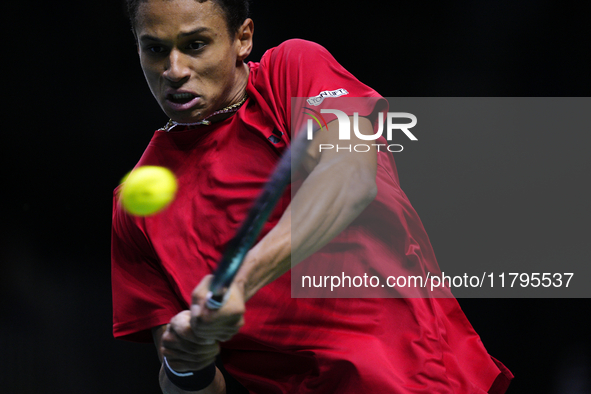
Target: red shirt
x=289, y=345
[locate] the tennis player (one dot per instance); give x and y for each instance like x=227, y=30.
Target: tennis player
x=230, y=122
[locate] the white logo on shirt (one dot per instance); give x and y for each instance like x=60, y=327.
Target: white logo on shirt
x=317, y=100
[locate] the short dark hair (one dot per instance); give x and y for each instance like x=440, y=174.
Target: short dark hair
x=235, y=11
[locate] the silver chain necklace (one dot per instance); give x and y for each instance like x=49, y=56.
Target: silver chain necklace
x=229, y=109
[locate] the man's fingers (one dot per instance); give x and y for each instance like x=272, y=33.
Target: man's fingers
x=223, y=325
x=199, y=295
x=228, y=314
x=171, y=340
x=179, y=334
x=225, y=318
x=180, y=324
x=186, y=351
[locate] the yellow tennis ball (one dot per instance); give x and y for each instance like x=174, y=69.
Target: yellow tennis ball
x=147, y=190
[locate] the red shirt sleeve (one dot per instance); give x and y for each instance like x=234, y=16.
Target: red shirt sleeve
x=299, y=68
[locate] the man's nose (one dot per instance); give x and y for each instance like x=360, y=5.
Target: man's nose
x=176, y=69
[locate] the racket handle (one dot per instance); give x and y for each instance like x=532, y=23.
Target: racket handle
x=215, y=302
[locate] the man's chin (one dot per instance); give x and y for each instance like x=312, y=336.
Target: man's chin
x=186, y=117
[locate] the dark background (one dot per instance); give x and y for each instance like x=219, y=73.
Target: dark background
x=79, y=115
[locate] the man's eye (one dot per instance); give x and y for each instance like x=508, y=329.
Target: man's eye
x=196, y=46
x=155, y=49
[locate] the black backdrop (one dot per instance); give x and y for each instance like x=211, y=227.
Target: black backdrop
x=78, y=114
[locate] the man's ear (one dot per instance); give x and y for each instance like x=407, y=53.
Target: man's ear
x=244, y=39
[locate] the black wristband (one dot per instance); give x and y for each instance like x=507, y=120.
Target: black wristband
x=191, y=381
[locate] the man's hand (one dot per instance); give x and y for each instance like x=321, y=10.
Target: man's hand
x=217, y=325
x=190, y=342
x=184, y=350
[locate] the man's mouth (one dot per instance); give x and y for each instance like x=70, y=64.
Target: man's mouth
x=180, y=98
x=182, y=101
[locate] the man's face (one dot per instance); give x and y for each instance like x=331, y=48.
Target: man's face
x=191, y=62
